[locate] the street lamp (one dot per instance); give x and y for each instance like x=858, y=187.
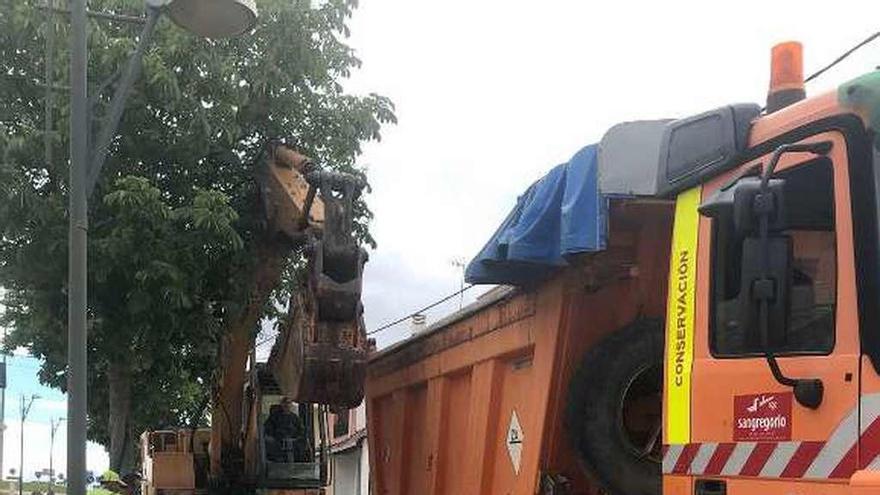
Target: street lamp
x=53, y=427
x=25, y=408
x=214, y=18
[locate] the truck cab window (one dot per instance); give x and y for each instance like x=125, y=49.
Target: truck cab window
x=809, y=207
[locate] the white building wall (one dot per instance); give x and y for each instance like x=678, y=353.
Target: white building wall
x=360, y=417
x=345, y=469
x=351, y=468
x=365, y=468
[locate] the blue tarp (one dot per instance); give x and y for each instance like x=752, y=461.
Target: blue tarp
x=563, y=213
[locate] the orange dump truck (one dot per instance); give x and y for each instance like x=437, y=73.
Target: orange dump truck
x=689, y=307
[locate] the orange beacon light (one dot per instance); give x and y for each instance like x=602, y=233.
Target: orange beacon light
x=786, y=75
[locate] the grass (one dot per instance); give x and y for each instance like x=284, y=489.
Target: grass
x=41, y=486
x=33, y=486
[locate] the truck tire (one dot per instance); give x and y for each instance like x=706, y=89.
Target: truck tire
x=614, y=410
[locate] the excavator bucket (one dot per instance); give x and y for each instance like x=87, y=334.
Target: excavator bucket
x=321, y=353
x=320, y=362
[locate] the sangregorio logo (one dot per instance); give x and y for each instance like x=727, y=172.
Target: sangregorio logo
x=762, y=417
x=762, y=423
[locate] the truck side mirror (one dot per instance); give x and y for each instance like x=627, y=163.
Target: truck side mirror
x=739, y=201
x=772, y=286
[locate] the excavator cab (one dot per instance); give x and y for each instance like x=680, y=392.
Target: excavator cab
x=284, y=451
x=286, y=443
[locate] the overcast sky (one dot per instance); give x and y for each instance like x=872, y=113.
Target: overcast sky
x=492, y=94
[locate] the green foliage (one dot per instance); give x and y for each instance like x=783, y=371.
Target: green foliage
x=174, y=220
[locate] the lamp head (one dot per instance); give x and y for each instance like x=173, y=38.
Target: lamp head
x=210, y=18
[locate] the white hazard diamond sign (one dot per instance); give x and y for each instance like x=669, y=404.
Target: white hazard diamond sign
x=515, y=439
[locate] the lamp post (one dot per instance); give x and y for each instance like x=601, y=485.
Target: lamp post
x=25, y=408
x=2, y=402
x=212, y=18
x=53, y=427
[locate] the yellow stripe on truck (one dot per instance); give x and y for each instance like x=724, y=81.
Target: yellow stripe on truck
x=680, y=317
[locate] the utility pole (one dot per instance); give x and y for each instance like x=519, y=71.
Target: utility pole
x=3, y=402
x=25, y=409
x=77, y=285
x=458, y=262
x=53, y=424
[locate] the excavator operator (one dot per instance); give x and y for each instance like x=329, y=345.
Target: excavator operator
x=285, y=434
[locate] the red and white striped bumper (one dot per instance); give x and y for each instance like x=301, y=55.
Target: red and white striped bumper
x=838, y=457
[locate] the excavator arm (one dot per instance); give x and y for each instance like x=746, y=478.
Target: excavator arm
x=320, y=355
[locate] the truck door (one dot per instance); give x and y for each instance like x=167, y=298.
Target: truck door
x=743, y=432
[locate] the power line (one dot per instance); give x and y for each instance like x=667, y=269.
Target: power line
x=842, y=57
x=422, y=310
x=398, y=321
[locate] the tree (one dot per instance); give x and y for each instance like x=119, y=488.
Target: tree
x=178, y=264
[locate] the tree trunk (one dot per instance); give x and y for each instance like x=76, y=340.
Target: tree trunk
x=122, y=450
x=227, y=408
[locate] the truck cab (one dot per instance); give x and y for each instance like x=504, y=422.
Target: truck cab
x=772, y=354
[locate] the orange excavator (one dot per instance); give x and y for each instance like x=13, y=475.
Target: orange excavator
x=318, y=360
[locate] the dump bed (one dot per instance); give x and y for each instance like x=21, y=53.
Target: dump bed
x=475, y=404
